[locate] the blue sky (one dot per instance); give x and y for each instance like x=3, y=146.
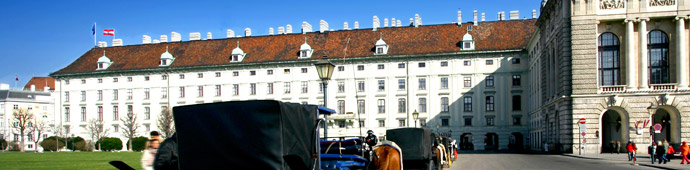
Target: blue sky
x=41, y=37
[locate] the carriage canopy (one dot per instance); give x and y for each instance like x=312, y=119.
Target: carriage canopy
x=415, y=143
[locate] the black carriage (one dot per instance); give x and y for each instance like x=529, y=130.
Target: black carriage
x=417, y=145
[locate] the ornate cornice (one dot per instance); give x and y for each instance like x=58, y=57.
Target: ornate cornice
x=611, y=4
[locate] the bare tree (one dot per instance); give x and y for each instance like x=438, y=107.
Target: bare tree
x=97, y=130
x=39, y=127
x=66, y=134
x=58, y=130
x=130, y=127
x=166, y=124
x=22, y=121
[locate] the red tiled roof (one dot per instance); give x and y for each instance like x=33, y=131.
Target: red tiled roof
x=430, y=39
x=40, y=83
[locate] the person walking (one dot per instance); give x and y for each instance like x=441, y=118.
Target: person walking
x=613, y=146
x=669, y=153
x=618, y=146
x=150, y=154
x=661, y=152
x=652, y=152
x=684, y=150
x=630, y=148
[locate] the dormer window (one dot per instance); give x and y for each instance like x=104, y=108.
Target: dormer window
x=467, y=42
x=305, y=50
x=104, y=62
x=166, y=58
x=381, y=47
x=237, y=54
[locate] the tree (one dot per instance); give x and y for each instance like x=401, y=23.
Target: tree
x=22, y=124
x=65, y=133
x=39, y=127
x=166, y=124
x=130, y=127
x=96, y=128
x=57, y=129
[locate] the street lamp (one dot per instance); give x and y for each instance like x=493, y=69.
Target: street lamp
x=325, y=70
x=438, y=126
x=415, y=116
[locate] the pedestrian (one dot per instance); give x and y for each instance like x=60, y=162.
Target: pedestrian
x=150, y=154
x=669, y=150
x=661, y=152
x=630, y=148
x=166, y=157
x=652, y=152
x=613, y=146
x=154, y=136
x=684, y=150
x=618, y=146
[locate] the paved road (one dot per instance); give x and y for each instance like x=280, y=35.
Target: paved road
x=504, y=161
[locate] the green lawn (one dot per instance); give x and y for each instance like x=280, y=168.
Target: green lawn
x=67, y=160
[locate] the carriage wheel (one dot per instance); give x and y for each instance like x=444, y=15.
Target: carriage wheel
x=430, y=165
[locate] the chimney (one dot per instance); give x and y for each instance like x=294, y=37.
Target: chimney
x=483, y=17
x=146, y=39
x=323, y=26
x=345, y=26
x=411, y=22
x=475, y=18
x=33, y=87
x=117, y=42
x=281, y=30
x=270, y=31
x=376, y=24
x=417, y=20
x=393, y=22
x=385, y=22
x=288, y=29
x=102, y=44
x=534, y=14
x=194, y=36
x=164, y=38
x=356, y=25
x=306, y=27
x=459, y=17
x=514, y=15
x=247, y=32
x=175, y=37
x=501, y=15
x=230, y=33
x=156, y=41
x=399, y=23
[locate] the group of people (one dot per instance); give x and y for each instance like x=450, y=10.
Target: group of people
x=659, y=152
x=151, y=146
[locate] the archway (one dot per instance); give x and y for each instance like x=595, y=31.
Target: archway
x=614, y=130
x=466, y=141
x=516, y=141
x=491, y=141
x=669, y=120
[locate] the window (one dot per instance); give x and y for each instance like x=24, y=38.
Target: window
x=305, y=87
x=360, y=67
x=382, y=123
x=15, y=107
x=200, y=91
x=286, y=71
x=341, y=68
x=467, y=63
x=340, y=123
x=115, y=94
x=252, y=88
x=489, y=62
x=489, y=81
x=467, y=104
x=66, y=114
x=490, y=121
x=444, y=104
x=402, y=105
x=382, y=105
x=360, y=106
x=129, y=79
x=422, y=65
x=235, y=89
x=468, y=121
x=252, y=73
x=382, y=85
x=83, y=96
x=269, y=72
x=381, y=66
x=100, y=80
x=341, y=87
x=516, y=121
x=341, y=106
x=287, y=87
x=99, y=95
x=66, y=82
x=360, y=86
x=422, y=105
x=422, y=122
x=235, y=73
x=361, y=123
x=218, y=92
x=304, y=54
x=515, y=60
x=164, y=77
x=444, y=82
x=146, y=78
x=115, y=80
x=129, y=94
x=164, y=93
x=116, y=128
x=516, y=80
x=401, y=123
x=181, y=92
x=83, y=114
x=130, y=110
x=401, y=65
x=444, y=64
x=147, y=127
x=422, y=83
x=116, y=113
x=444, y=122
x=83, y=81
x=401, y=84
x=517, y=103
x=304, y=70
x=379, y=50
x=658, y=57
x=489, y=103
x=468, y=81
x=200, y=75
x=270, y=88
x=147, y=93
x=66, y=96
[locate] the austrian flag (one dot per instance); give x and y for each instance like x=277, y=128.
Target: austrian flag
x=109, y=32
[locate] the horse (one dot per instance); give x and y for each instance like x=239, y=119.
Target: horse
x=441, y=156
x=388, y=156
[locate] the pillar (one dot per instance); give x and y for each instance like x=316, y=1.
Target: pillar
x=630, y=54
x=682, y=57
x=643, y=71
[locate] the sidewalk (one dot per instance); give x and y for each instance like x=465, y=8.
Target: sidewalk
x=642, y=160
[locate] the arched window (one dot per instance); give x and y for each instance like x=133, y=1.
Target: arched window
x=657, y=49
x=609, y=60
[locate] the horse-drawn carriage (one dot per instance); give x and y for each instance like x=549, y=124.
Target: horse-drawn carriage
x=419, y=147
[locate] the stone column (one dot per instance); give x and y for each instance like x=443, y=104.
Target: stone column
x=643, y=71
x=682, y=57
x=630, y=54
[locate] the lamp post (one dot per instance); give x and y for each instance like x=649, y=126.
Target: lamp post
x=325, y=70
x=438, y=126
x=415, y=116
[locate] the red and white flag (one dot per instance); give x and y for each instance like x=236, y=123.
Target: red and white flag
x=109, y=32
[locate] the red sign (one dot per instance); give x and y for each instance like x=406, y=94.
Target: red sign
x=582, y=120
x=583, y=133
x=657, y=126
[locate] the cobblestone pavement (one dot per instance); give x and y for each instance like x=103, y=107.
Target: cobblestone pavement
x=504, y=161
